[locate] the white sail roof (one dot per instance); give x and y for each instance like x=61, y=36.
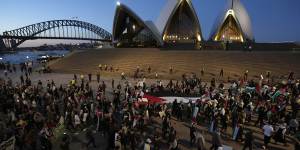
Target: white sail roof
x=240, y=15
x=165, y=14
x=168, y=11
x=121, y=8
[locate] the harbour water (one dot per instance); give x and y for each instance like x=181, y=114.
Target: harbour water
x=29, y=55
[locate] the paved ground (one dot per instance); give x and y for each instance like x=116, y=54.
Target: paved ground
x=233, y=63
x=181, y=127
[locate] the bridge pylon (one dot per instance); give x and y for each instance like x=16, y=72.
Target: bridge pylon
x=2, y=44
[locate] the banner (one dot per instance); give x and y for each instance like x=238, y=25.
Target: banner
x=226, y=147
x=8, y=144
x=181, y=99
x=148, y=99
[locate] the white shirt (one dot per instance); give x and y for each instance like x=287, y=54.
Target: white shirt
x=222, y=111
x=268, y=129
x=77, y=120
x=84, y=117
x=173, y=144
x=147, y=146
x=116, y=136
x=33, y=104
x=13, y=116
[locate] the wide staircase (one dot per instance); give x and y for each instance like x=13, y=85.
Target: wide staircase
x=234, y=63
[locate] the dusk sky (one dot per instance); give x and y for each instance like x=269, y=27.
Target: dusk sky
x=272, y=20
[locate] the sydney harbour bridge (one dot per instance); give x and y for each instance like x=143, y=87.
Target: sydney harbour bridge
x=54, y=29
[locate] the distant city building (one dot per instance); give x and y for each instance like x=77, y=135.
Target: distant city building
x=233, y=25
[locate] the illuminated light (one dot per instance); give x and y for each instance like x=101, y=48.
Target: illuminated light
x=198, y=38
x=230, y=11
x=118, y=3
x=1, y=58
x=133, y=27
x=241, y=38
x=27, y=57
x=216, y=38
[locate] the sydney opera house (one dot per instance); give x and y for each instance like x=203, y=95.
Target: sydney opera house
x=178, y=24
x=233, y=24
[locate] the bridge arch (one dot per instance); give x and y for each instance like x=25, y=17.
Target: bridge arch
x=16, y=37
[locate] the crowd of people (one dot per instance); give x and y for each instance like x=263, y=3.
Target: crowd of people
x=271, y=106
x=7, y=67
x=32, y=112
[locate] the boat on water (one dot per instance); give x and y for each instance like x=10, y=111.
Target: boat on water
x=47, y=58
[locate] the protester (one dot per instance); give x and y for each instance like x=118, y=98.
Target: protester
x=268, y=132
x=216, y=141
x=90, y=77
x=201, y=143
x=34, y=108
x=280, y=134
x=98, y=77
x=90, y=138
x=248, y=140
x=192, y=134
x=221, y=72
x=65, y=145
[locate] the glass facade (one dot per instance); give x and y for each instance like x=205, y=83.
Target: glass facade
x=229, y=31
x=131, y=32
x=183, y=26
